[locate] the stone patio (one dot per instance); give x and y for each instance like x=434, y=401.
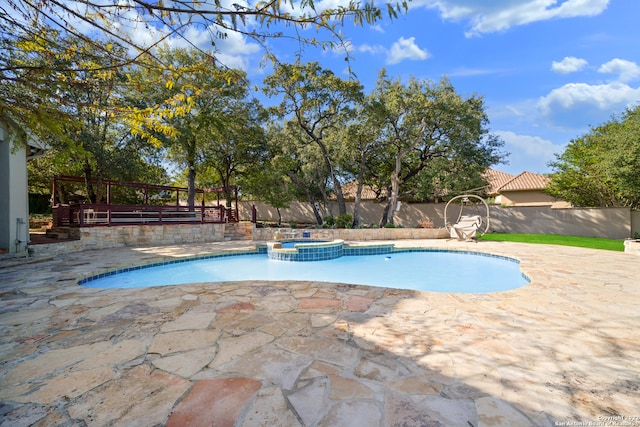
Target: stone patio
x=563, y=349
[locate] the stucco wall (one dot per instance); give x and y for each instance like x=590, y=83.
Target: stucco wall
x=635, y=223
x=613, y=223
x=370, y=213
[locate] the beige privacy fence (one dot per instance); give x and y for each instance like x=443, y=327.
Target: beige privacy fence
x=613, y=223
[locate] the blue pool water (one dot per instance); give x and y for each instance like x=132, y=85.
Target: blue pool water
x=438, y=271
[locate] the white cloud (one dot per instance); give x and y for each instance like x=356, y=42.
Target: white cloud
x=233, y=51
x=493, y=16
x=530, y=153
x=578, y=105
x=406, y=49
x=528, y=145
x=515, y=111
x=372, y=49
x=570, y=64
x=626, y=70
x=471, y=72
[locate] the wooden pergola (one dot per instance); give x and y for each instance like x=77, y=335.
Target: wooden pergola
x=79, y=211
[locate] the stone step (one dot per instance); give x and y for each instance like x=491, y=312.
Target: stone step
x=58, y=236
x=60, y=233
x=238, y=232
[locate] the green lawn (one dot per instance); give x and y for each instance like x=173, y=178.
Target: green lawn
x=553, y=239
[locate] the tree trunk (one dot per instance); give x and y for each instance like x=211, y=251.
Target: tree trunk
x=319, y=219
x=88, y=178
x=191, y=185
x=358, y=200
x=356, y=205
x=395, y=175
x=99, y=188
x=383, y=220
x=325, y=200
x=395, y=187
x=337, y=187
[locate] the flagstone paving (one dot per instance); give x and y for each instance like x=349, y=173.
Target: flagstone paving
x=563, y=349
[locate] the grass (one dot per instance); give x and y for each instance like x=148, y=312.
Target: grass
x=554, y=239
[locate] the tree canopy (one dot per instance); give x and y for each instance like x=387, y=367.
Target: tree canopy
x=179, y=108
x=318, y=103
x=426, y=128
x=602, y=167
x=128, y=32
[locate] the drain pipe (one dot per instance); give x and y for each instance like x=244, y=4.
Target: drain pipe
x=19, y=223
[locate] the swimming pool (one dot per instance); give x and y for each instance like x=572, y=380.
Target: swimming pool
x=423, y=270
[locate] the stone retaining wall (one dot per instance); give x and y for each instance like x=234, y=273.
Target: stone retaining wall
x=134, y=235
x=358, y=234
x=152, y=235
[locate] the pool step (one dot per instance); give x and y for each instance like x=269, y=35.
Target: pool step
x=238, y=231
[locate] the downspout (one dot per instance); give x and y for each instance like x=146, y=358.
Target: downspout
x=19, y=223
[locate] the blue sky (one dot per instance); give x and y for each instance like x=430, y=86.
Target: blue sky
x=548, y=70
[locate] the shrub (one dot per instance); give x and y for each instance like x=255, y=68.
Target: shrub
x=328, y=221
x=344, y=221
x=425, y=223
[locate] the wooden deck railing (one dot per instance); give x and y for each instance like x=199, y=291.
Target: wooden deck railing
x=88, y=215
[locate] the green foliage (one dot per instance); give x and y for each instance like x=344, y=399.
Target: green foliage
x=554, y=239
x=315, y=102
x=434, y=141
x=329, y=221
x=81, y=94
x=601, y=167
x=344, y=221
x=340, y=221
x=104, y=20
x=39, y=203
x=198, y=114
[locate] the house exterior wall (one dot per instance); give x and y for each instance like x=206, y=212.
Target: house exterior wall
x=525, y=198
x=14, y=202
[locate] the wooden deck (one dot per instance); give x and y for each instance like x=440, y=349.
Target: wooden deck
x=154, y=204
x=91, y=215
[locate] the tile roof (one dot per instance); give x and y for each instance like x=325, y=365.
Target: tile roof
x=496, y=179
x=525, y=181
